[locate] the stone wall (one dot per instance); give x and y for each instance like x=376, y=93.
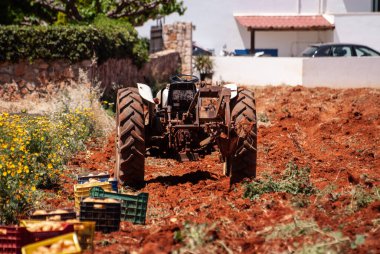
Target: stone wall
x=178, y=37
x=44, y=78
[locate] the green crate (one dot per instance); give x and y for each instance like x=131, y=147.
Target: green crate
x=133, y=207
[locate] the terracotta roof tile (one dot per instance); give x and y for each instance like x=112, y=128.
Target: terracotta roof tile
x=300, y=22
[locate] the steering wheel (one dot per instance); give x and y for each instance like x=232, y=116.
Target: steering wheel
x=184, y=78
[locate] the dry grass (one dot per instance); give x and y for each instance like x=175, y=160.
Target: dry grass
x=79, y=95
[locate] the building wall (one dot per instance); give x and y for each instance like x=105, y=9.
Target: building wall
x=358, y=28
x=291, y=43
x=310, y=72
x=346, y=6
x=216, y=26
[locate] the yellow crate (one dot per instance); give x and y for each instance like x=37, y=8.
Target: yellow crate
x=84, y=230
x=33, y=248
x=83, y=190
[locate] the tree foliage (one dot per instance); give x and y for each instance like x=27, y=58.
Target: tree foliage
x=135, y=12
x=23, y=12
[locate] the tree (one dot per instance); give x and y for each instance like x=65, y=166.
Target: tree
x=134, y=11
x=22, y=11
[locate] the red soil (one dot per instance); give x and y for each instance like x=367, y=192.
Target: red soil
x=334, y=132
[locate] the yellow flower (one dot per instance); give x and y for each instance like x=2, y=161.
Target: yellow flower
x=33, y=188
x=50, y=166
x=4, y=173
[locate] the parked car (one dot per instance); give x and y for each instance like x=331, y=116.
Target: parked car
x=338, y=50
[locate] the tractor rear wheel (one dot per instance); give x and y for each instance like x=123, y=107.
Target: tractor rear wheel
x=130, y=138
x=242, y=163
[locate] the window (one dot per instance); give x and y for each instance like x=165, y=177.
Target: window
x=363, y=51
x=376, y=5
x=342, y=51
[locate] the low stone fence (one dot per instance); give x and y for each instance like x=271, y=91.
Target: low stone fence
x=44, y=78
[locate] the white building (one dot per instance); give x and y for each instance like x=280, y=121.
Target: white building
x=284, y=27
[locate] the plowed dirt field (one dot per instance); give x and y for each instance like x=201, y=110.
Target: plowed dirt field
x=193, y=209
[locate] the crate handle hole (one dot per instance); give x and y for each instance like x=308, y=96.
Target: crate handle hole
x=98, y=206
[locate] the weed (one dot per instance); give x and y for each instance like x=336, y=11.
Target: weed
x=263, y=117
x=359, y=240
x=293, y=229
x=300, y=201
x=361, y=197
x=327, y=241
x=328, y=192
x=295, y=181
x=193, y=236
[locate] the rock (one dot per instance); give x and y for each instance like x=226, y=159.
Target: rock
x=31, y=86
x=24, y=91
x=21, y=83
x=11, y=87
x=68, y=73
x=353, y=178
x=32, y=96
x=50, y=88
x=16, y=97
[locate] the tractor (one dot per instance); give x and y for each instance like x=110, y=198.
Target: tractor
x=186, y=120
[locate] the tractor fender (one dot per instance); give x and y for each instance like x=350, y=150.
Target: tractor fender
x=145, y=92
x=233, y=88
x=163, y=95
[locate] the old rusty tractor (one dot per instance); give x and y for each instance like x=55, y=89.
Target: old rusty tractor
x=185, y=120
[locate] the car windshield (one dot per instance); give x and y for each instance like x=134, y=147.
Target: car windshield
x=310, y=51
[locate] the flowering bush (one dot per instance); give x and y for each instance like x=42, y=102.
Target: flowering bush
x=33, y=149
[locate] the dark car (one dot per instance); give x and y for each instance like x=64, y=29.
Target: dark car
x=338, y=50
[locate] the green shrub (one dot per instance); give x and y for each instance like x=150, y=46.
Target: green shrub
x=295, y=181
x=106, y=39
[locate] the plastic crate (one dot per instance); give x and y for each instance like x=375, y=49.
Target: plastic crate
x=100, y=177
x=133, y=207
x=83, y=190
x=13, y=238
x=31, y=248
x=106, y=215
x=85, y=231
x=56, y=216
x=42, y=235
